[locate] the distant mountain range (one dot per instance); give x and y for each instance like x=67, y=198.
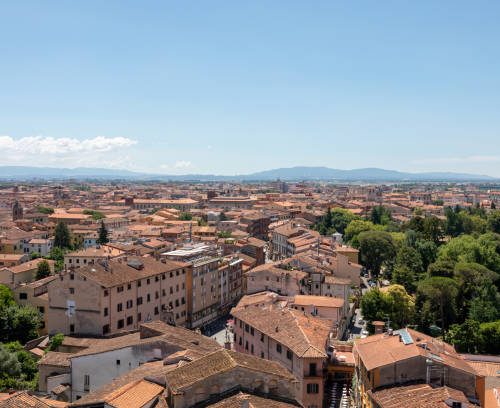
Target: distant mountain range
x=286, y=174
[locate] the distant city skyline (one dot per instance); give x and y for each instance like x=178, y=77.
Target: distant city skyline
x=233, y=88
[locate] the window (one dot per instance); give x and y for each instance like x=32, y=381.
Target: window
x=148, y=281
x=176, y=302
x=312, y=369
x=129, y=304
x=183, y=301
x=105, y=329
x=119, y=325
x=157, y=278
x=156, y=310
x=118, y=362
x=157, y=295
x=129, y=286
x=139, y=317
x=138, y=283
x=72, y=291
x=41, y=309
x=247, y=327
x=246, y=345
x=23, y=296
x=105, y=311
x=72, y=328
x=261, y=354
x=139, y=301
x=312, y=388
x=130, y=320
x=86, y=382
x=278, y=348
x=240, y=342
x=148, y=297
x=251, y=349
x=119, y=307
x=262, y=337
x=251, y=331
x=289, y=354
x=72, y=276
x=119, y=289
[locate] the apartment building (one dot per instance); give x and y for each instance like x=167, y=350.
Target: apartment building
x=291, y=337
x=396, y=359
x=91, y=255
x=213, y=283
x=41, y=246
x=231, y=203
x=35, y=294
x=109, y=297
x=280, y=280
x=13, y=276
x=162, y=366
x=181, y=204
x=84, y=365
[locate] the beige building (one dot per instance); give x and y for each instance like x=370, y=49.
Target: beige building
x=110, y=297
x=213, y=283
x=35, y=294
x=13, y=276
x=291, y=337
x=91, y=255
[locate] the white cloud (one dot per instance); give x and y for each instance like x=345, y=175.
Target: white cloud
x=43, y=150
x=182, y=164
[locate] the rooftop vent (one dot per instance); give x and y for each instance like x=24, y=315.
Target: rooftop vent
x=136, y=264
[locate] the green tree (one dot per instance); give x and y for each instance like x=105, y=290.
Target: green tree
x=6, y=296
x=471, y=279
x=19, y=323
x=484, y=250
x=436, y=301
x=96, y=215
x=416, y=224
x=57, y=255
x=55, y=341
x=18, y=368
x=374, y=305
x=376, y=249
x=62, y=237
x=185, y=216
x=433, y=229
x=44, y=210
x=401, y=306
x=494, y=221
x=340, y=219
x=43, y=270
x=9, y=364
x=355, y=228
x=394, y=304
x=408, y=267
x=465, y=336
x=428, y=252
x=485, y=306
x=380, y=215
x=490, y=337
x=454, y=223
x=103, y=234
x=441, y=267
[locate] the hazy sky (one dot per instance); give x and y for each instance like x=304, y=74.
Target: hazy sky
x=240, y=86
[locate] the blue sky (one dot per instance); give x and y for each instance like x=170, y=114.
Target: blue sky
x=236, y=87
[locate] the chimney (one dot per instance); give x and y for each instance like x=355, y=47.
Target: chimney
x=245, y=402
